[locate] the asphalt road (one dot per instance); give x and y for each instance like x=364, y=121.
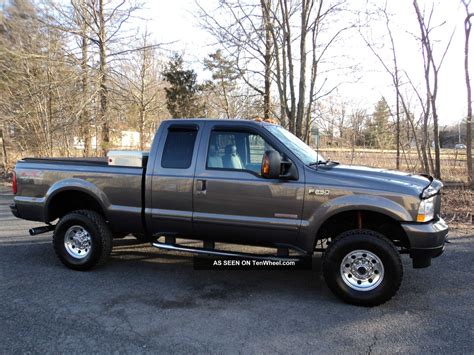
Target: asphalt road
x=145, y=300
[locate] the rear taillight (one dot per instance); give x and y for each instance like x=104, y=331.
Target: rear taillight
x=14, y=185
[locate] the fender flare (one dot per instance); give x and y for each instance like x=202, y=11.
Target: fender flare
x=79, y=185
x=348, y=203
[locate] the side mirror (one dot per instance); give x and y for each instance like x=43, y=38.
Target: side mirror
x=271, y=164
x=275, y=167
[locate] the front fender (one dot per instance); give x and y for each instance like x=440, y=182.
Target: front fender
x=310, y=226
x=75, y=184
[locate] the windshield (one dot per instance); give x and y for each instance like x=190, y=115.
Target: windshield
x=296, y=145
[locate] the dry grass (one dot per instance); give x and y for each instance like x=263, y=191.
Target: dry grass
x=457, y=202
x=453, y=163
x=457, y=206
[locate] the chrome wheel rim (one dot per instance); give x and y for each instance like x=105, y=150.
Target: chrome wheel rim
x=77, y=242
x=362, y=270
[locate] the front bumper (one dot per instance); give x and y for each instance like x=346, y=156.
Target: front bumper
x=426, y=240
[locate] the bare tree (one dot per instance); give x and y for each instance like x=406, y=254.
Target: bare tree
x=298, y=91
x=103, y=21
x=139, y=86
x=242, y=29
x=392, y=70
x=80, y=12
x=37, y=94
x=431, y=74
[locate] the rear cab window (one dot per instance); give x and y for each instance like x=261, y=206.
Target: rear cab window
x=179, y=148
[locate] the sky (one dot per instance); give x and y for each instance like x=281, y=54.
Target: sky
x=174, y=21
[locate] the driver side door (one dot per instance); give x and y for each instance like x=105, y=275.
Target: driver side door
x=233, y=202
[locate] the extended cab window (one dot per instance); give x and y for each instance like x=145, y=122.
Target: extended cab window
x=179, y=147
x=237, y=150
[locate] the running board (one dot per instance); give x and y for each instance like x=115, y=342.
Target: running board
x=177, y=247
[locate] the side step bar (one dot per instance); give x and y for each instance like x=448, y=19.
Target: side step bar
x=177, y=247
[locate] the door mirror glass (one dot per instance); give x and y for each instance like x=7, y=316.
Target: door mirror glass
x=276, y=167
x=271, y=164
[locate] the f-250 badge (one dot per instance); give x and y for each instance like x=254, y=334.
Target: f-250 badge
x=318, y=192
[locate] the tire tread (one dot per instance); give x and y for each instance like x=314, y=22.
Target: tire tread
x=105, y=238
x=342, y=238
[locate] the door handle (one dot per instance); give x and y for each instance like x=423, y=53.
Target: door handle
x=201, y=187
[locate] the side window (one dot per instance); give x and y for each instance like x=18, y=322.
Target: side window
x=258, y=146
x=236, y=150
x=178, y=150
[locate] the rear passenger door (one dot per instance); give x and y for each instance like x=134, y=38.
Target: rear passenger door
x=172, y=179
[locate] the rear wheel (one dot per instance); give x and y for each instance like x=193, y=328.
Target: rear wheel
x=82, y=240
x=363, y=267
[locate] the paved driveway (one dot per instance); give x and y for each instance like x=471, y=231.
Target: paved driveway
x=145, y=300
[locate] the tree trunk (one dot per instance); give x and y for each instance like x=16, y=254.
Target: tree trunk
x=413, y=130
x=437, y=164
x=286, y=33
x=302, y=76
x=267, y=58
x=49, y=106
x=467, y=32
x=424, y=145
x=103, y=90
x=85, y=120
x=398, y=127
x=142, y=129
x=4, y=151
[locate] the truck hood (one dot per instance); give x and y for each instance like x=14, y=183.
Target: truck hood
x=371, y=178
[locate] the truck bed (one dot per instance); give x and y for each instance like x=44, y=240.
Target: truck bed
x=119, y=188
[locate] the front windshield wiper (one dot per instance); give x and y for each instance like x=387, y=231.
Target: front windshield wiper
x=324, y=162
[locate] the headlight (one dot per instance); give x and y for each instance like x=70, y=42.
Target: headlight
x=430, y=191
x=426, y=210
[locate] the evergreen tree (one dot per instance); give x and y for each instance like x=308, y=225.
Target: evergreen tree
x=182, y=96
x=224, y=76
x=379, y=134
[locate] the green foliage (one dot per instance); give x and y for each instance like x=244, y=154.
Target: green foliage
x=182, y=96
x=379, y=130
x=223, y=88
x=222, y=69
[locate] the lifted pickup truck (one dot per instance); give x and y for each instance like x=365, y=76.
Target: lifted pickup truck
x=239, y=182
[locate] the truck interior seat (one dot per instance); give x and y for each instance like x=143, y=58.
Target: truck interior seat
x=214, y=160
x=231, y=158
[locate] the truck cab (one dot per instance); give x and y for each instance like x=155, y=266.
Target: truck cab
x=206, y=181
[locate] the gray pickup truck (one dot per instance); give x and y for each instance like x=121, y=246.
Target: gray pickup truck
x=239, y=182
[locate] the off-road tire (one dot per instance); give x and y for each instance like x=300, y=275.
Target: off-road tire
x=101, y=239
x=375, y=243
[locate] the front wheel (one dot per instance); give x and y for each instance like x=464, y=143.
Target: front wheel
x=82, y=240
x=363, y=268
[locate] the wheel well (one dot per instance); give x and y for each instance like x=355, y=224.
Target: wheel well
x=361, y=219
x=68, y=201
